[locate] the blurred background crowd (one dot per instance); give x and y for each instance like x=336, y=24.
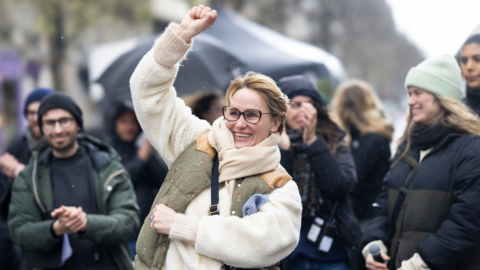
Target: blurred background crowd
x=81, y=47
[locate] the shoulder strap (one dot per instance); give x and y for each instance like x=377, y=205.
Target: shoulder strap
x=214, y=209
x=402, y=192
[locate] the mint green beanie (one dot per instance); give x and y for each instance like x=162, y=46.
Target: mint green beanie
x=439, y=75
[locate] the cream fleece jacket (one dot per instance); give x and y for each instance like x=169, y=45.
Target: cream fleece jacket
x=200, y=241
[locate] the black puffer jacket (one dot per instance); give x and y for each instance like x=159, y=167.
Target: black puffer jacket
x=371, y=153
x=335, y=178
x=472, y=100
x=440, y=218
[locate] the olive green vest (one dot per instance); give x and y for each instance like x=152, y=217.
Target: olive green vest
x=188, y=176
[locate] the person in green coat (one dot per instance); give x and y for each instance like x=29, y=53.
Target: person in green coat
x=73, y=206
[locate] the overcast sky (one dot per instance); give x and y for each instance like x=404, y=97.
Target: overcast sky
x=436, y=26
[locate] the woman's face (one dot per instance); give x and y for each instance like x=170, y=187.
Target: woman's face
x=424, y=108
x=470, y=64
x=244, y=133
x=295, y=114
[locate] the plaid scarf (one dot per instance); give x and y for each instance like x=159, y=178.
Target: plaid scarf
x=303, y=175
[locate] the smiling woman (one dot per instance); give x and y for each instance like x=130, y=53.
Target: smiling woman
x=179, y=233
x=260, y=93
x=431, y=193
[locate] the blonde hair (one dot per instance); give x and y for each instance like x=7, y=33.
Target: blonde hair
x=457, y=116
x=273, y=98
x=356, y=103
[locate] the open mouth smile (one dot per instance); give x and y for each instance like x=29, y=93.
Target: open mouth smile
x=242, y=135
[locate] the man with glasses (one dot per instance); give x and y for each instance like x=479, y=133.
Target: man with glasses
x=73, y=205
x=11, y=163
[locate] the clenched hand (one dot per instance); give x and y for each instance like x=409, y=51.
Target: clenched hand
x=197, y=20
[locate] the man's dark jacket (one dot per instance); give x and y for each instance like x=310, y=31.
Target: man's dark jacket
x=32, y=203
x=19, y=149
x=440, y=218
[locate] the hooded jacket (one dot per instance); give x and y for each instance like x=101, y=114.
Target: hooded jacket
x=29, y=215
x=146, y=176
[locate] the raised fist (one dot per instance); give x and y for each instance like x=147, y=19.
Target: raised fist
x=197, y=20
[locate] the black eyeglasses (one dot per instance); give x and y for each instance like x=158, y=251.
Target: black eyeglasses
x=252, y=116
x=31, y=114
x=65, y=122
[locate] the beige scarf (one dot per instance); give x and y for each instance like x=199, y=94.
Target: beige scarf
x=237, y=163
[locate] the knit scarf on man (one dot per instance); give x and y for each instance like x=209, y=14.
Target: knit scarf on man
x=35, y=144
x=238, y=163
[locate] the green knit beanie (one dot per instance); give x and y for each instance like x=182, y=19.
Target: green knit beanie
x=439, y=75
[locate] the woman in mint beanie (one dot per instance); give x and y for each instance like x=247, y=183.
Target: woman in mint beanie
x=428, y=214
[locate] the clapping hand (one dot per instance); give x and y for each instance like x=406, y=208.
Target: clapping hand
x=145, y=151
x=308, y=118
x=10, y=166
x=197, y=20
x=284, y=140
x=69, y=220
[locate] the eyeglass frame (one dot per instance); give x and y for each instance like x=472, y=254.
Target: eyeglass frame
x=30, y=114
x=70, y=119
x=242, y=113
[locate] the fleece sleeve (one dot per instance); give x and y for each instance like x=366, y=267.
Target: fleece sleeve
x=165, y=119
x=258, y=240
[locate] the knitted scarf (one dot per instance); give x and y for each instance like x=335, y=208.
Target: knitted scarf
x=35, y=144
x=238, y=163
x=428, y=136
x=303, y=175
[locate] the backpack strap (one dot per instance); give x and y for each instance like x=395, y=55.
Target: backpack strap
x=402, y=194
x=214, y=209
x=203, y=145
